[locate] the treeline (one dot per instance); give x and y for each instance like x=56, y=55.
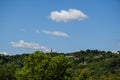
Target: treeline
x=80, y=65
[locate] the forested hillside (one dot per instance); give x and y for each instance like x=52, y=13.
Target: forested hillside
x=80, y=65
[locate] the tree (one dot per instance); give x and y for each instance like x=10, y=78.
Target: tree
x=59, y=68
x=84, y=74
x=7, y=72
x=39, y=66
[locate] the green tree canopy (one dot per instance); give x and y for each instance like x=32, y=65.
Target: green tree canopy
x=39, y=66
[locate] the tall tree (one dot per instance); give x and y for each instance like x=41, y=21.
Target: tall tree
x=39, y=66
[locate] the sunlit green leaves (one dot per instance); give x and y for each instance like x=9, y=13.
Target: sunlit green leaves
x=39, y=66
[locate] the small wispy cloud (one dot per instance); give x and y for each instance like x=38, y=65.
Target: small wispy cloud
x=67, y=15
x=29, y=45
x=56, y=33
x=23, y=30
x=37, y=31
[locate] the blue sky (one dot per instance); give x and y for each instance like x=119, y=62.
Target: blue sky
x=63, y=25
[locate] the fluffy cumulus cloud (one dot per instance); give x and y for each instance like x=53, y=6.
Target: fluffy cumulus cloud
x=69, y=15
x=29, y=45
x=56, y=33
x=3, y=53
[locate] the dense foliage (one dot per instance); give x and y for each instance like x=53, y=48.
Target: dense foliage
x=80, y=65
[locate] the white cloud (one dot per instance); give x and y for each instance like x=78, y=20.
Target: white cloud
x=29, y=45
x=23, y=30
x=3, y=53
x=65, y=16
x=56, y=33
x=37, y=31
